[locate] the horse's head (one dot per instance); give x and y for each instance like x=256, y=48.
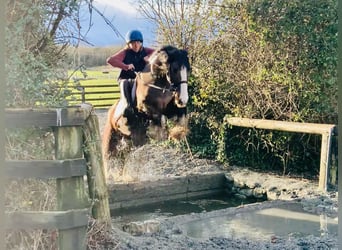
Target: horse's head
x=174, y=64
x=159, y=63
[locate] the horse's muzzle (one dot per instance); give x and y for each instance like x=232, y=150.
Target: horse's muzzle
x=182, y=96
x=180, y=104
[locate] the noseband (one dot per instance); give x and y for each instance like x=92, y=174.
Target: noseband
x=151, y=79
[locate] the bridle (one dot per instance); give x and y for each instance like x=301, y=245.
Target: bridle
x=172, y=89
x=168, y=75
x=149, y=79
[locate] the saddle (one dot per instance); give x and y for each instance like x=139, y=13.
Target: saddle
x=129, y=90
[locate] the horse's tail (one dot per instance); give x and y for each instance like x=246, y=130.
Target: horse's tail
x=109, y=140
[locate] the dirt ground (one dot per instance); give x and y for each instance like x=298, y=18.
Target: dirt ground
x=155, y=161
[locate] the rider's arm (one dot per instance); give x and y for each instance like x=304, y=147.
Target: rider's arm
x=116, y=60
x=149, y=51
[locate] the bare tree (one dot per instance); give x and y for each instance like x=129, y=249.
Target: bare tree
x=182, y=23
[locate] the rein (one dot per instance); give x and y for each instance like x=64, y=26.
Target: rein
x=171, y=89
x=147, y=77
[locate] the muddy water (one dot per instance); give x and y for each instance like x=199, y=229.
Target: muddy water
x=286, y=221
x=177, y=207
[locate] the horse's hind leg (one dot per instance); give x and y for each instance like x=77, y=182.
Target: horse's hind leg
x=109, y=140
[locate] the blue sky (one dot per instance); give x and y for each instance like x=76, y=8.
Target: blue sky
x=124, y=17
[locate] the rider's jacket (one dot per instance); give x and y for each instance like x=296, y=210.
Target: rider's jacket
x=135, y=58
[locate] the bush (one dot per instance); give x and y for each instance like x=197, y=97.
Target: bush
x=268, y=60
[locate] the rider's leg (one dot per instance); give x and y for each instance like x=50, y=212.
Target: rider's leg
x=125, y=98
x=127, y=92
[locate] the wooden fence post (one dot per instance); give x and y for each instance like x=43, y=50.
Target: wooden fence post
x=70, y=191
x=325, y=159
x=98, y=191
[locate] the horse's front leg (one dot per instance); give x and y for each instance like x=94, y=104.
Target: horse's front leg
x=180, y=130
x=182, y=121
x=157, y=129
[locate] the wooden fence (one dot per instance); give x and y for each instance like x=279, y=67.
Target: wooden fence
x=327, y=131
x=75, y=129
x=99, y=95
x=99, y=91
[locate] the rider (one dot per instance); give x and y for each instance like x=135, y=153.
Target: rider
x=130, y=59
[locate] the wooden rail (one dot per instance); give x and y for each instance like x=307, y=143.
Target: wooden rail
x=326, y=130
x=98, y=95
x=71, y=128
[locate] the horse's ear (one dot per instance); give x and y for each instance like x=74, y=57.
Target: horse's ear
x=163, y=57
x=185, y=51
x=169, y=49
x=158, y=57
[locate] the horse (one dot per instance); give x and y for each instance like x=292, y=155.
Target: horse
x=160, y=90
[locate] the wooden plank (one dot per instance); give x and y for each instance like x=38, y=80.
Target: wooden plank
x=150, y=200
x=71, y=191
x=102, y=92
x=98, y=99
x=134, y=194
x=165, y=187
x=46, y=219
x=96, y=174
x=45, y=169
x=325, y=160
x=102, y=85
x=301, y=127
x=103, y=106
x=43, y=118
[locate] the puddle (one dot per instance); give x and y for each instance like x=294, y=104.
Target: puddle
x=176, y=207
x=284, y=220
x=289, y=221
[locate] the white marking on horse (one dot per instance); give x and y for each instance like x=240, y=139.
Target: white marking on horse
x=183, y=91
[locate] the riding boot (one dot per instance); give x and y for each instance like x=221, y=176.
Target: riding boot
x=124, y=101
x=127, y=89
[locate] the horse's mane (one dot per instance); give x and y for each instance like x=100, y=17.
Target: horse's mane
x=177, y=55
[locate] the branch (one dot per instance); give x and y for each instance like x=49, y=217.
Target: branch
x=107, y=21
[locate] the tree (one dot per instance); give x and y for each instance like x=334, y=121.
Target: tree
x=182, y=23
x=37, y=36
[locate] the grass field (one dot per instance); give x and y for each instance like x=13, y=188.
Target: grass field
x=99, y=87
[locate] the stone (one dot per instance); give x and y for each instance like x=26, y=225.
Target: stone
x=239, y=184
x=259, y=193
x=247, y=192
x=137, y=228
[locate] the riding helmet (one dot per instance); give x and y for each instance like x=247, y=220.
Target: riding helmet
x=134, y=35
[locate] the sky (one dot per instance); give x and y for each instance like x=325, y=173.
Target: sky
x=124, y=17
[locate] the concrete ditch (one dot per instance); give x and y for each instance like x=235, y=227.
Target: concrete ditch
x=134, y=195
x=147, y=192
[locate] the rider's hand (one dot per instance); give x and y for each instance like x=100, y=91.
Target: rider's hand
x=130, y=67
x=146, y=58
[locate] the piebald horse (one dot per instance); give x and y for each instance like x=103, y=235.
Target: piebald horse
x=160, y=90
